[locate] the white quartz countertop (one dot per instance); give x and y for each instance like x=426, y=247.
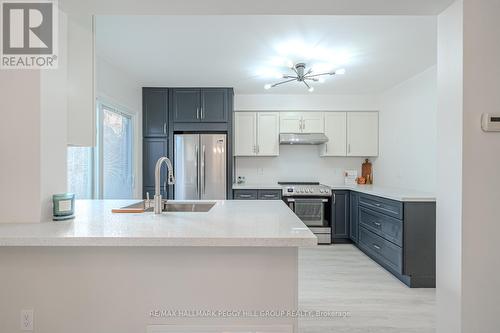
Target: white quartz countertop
x=252, y=186
x=399, y=194
x=228, y=223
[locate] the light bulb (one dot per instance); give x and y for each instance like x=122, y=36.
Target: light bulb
x=267, y=86
x=340, y=71
x=290, y=64
x=311, y=89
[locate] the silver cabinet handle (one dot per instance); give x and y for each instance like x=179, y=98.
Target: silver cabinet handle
x=269, y=196
x=377, y=224
x=202, y=113
x=197, y=113
x=203, y=166
x=334, y=198
x=376, y=246
x=165, y=187
x=377, y=204
x=164, y=128
x=349, y=148
x=245, y=195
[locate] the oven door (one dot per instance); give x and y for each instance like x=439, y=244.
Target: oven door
x=310, y=210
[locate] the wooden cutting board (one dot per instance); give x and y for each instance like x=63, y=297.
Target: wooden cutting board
x=366, y=171
x=127, y=210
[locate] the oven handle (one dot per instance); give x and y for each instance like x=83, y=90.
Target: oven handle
x=293, y=200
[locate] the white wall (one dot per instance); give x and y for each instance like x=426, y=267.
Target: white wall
x=115, y=87
x=408, y=134
x=310, y=102
x=449, y=184
x=33, y=139
x=481, y=164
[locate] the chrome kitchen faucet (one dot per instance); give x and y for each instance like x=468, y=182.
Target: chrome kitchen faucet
x=171, y=181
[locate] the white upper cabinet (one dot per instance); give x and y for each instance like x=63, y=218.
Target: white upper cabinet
x=290, y=122
x=362, y=134
x=256, y=133
x=301, y=122
x=312, y=122
x=268, y=131
x=245, y=132
x=336, y=131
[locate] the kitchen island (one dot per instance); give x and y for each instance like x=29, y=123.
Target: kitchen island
x=233, y=268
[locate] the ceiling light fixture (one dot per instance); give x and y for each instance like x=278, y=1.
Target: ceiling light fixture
x=301, y=75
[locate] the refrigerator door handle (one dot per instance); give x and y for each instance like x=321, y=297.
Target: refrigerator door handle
x=196, y=168
x=203, y=169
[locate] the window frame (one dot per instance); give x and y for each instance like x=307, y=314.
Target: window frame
x=102, y=104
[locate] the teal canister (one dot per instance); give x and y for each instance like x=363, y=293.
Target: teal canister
x=63, y=207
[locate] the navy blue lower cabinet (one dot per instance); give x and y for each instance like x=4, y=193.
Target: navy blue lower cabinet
x=340, y=217
x=257, y=194
x=400, y=236
x=354, y=221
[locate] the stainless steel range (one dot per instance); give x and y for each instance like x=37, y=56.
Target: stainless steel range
x=311, y=202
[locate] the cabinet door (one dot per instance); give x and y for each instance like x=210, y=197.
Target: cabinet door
x=312, y=122
x=213, y=105
x=340, y=215
x=154, y=112
x=362, y=133
x=186, y=105
x=245, y=129
x=153, y=149
x=268, y=133
x=336, y=131
x=354, y=217
x=290, y=122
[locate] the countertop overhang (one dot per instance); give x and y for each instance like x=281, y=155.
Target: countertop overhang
x=229, y=223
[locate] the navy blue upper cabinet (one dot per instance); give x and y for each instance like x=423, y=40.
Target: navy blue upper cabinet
x=155, y=112
x=200, y=105
x=214, y=104
x=186, y=105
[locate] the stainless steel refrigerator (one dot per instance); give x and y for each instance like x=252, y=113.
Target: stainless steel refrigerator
x=200, y=166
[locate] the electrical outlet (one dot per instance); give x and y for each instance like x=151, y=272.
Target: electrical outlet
x=27, y=320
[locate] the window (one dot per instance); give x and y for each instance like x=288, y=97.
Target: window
x=80, y=172
x=115, y=145
x=105, y=172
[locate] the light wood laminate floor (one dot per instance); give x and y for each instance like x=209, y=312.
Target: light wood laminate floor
x=342, y=278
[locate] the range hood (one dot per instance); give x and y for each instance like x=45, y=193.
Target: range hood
x=303, y=138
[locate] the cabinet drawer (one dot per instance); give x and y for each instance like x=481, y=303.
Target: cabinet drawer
x=245, y=194
x=382, y=205
x=383, y=251
x=269, y=195
x=383, y=225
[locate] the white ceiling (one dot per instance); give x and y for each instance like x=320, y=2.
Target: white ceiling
x=240, y=51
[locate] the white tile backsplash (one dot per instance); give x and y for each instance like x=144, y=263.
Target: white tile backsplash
x=296, y=163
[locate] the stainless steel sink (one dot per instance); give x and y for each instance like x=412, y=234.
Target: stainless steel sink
x=173, y=206
x=187, y=206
